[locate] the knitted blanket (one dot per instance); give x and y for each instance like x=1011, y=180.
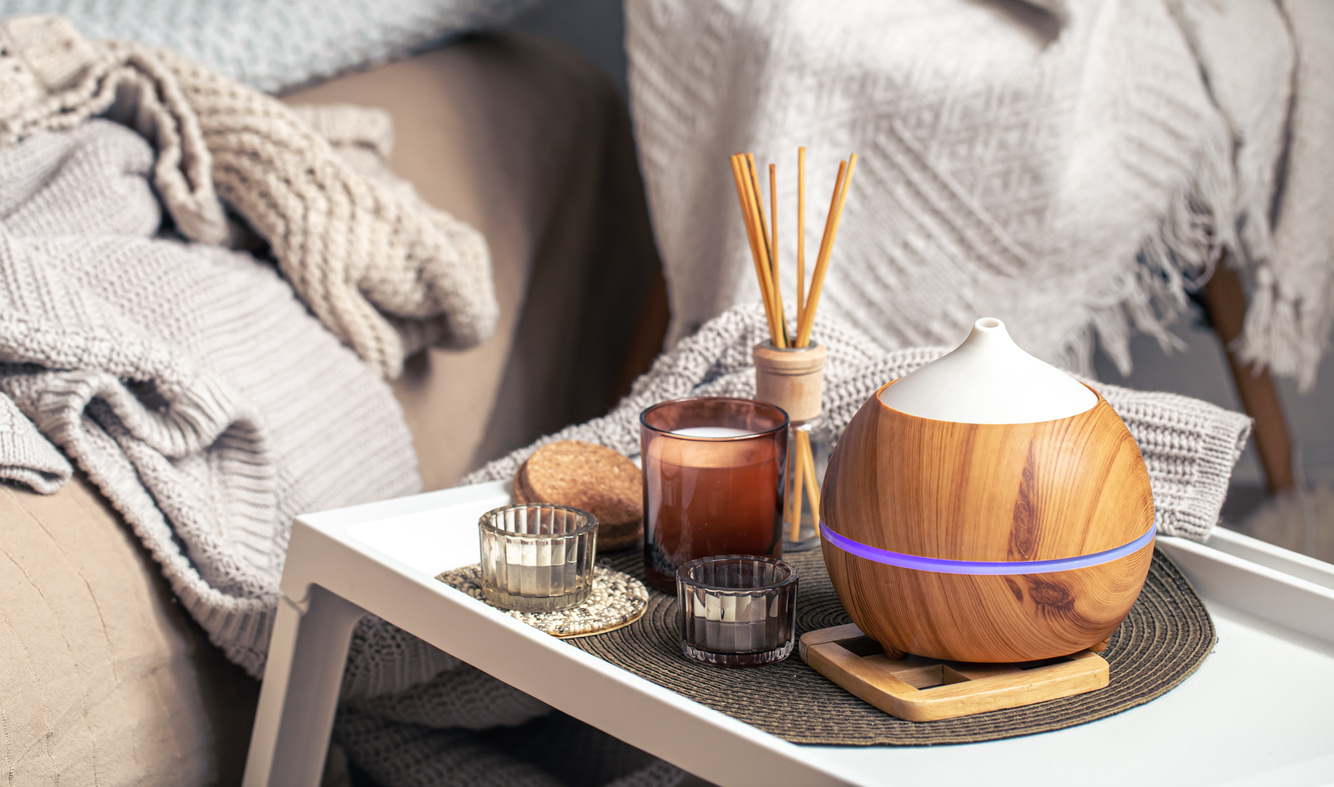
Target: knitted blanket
x=385, y=272
x=1070, y=167
x=186, y=380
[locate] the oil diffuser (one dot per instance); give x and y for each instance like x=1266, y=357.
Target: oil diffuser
x=987, y=508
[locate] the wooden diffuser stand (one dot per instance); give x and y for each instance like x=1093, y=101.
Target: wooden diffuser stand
x=920, y=689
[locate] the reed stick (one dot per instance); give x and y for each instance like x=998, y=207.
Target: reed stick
x=743, y=196
x=801, y=232
x=756, y=211
x=763, y=239
x=824, y=240
x=755, y=187
x=753, y=181
x=827, y=248
x=798, y=475
x=773, y=249
x=812, y=491
x=776, y=297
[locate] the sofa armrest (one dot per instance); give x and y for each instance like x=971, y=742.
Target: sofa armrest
x=104, y=679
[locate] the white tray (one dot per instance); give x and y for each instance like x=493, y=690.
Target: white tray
x=1260, y=710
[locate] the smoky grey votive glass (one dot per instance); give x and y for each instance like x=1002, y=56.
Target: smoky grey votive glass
x=537, y=558
x=737, y=610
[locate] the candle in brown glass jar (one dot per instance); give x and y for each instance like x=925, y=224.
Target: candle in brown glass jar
x=712, y=482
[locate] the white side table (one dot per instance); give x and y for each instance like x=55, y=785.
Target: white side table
x=1260, y=710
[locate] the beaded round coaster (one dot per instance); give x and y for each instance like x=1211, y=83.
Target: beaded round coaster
x=616, y=600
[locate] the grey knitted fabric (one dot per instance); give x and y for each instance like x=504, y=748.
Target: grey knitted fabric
x=274, y=45
x=27, y=457
x=385, y=272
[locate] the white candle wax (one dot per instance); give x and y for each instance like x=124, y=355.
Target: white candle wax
x=711, y=431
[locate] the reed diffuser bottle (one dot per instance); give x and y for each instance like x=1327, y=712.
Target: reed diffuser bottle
x=793, y=379
x=789, y=368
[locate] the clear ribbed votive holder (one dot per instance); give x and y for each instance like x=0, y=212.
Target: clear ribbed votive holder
x=537, y=558
x=737, y=610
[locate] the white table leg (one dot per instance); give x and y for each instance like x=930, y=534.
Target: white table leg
x=302, y=678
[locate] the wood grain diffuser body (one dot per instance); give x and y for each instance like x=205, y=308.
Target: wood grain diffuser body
x=987, y=508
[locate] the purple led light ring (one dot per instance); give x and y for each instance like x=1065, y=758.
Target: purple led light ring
x=943, y=566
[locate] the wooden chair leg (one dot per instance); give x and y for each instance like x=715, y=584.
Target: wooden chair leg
x=1226, y=302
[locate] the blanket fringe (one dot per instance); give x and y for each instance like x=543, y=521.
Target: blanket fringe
x=1285, y=331
x=1176, y=256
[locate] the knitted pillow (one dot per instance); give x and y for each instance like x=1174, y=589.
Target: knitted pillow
x=279, y=44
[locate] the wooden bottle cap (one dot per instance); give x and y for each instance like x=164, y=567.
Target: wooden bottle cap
x=792, y=379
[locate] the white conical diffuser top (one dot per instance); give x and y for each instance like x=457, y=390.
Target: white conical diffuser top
x=989, y=380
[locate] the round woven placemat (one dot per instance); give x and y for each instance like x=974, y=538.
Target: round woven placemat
x=1166, y=636
x=615, y=600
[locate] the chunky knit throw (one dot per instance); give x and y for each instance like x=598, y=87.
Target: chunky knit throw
x=186, y=380
x=1071, y=167
x=381, y=269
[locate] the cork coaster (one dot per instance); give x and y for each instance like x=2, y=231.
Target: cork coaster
x=616, y=600
x=519, y=493
x=593, y=477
